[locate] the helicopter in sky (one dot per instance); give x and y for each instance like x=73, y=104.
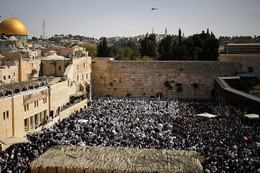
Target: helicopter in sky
x=154, y=9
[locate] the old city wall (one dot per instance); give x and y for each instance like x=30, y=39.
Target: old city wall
x=177, y=79
x=248, y=62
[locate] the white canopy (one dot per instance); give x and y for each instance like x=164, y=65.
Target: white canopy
x=206, y=115
x=82, y=121
x=13, y=140
x=251, y=116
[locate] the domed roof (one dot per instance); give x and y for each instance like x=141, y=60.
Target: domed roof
x=11, y=26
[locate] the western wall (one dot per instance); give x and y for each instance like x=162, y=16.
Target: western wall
x=249, y=62
x=175, y=79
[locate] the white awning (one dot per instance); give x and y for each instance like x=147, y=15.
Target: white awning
x=252, y=116
x=82, y=121
x=206, y=115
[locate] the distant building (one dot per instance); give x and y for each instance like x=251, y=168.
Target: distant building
x=9, y=68
x=242, y=48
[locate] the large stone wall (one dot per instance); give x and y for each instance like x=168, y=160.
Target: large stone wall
x=9, y=71
x=54, y=67
x=76, y=107
x=6, y=123
x=59, y=95
x=26, y=68
x=149, y=78
x=247, y=61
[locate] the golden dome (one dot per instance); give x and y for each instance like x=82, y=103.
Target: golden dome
x=12, y=26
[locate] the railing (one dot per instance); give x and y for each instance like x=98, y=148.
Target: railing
x=74, y=107
x=236, y=96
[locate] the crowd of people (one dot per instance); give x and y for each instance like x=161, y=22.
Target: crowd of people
x=228, y=143
x=8, y=93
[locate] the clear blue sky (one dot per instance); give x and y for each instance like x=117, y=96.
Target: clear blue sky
x=97, y=18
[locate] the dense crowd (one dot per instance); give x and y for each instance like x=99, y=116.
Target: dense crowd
x=228, y=143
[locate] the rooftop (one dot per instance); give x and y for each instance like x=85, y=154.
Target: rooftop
x=244, y=44
x=121, y=159
x=15, y=88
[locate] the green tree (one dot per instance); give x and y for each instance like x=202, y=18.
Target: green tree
x=103, y=49
x=210, y=46
x=145, y=58
x=127, y=53
x=149, y=47
x=166, y=48
x=203, y=47
x=132, y=45
x=179, y=37
x=34, y=39
x=92, y=50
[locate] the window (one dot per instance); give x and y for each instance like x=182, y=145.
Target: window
x=59, y=67
x=36, y=119
x=250, y=69
x=7, y=114
x=44, y=100
x=9, y=76
x=31, y=122
x=86, y=76
x=3, y=115
x=82, y=77
x=26, y=124
x=26, y=107
x=40, y=117
x=4, y=78
x=36, y=103
x=14, y=74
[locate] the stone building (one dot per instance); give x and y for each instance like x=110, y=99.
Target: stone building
x=72, y=52
x=54, y=65
x=76, y=69
x=8, y=44
x=242, y=48
x=250, y=63
x=24, y=106
x=9, y=68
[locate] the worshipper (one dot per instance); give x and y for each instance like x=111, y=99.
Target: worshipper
x=228, y=143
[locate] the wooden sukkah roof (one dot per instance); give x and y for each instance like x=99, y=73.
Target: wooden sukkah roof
x=121, y=159
x=18, y=85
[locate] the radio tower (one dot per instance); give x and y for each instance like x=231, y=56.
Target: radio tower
x=43, y=29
